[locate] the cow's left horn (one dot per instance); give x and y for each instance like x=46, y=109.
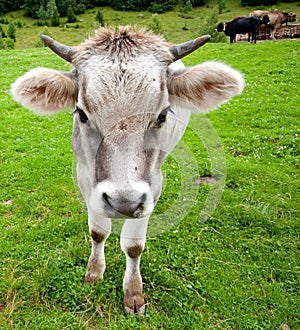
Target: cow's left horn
x=181, y=50
x=66, y=52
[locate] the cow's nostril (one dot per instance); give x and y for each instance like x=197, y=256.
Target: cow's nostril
x=125, y=207
x=106, y=198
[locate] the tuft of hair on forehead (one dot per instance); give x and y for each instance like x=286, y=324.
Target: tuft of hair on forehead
x=123, y=41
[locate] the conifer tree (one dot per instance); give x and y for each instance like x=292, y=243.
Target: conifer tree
x=11, y=32
x=71, y=18
x=55, y=21
x=100, y=18
x=2, y=33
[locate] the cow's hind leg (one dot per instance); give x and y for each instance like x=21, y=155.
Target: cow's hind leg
x=133, y=240
x=96, y=264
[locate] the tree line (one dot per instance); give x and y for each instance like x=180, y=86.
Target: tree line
x=45, y=9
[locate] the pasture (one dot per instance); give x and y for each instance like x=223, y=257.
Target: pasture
x=236, y=268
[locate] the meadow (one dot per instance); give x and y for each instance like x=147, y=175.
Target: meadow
x=234, y=267
x=177, y=26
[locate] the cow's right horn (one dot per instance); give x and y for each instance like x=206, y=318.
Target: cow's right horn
x=66, y=52
x=181, y=50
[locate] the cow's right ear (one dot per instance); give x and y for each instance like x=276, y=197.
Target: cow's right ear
x=204, y=87
x=46, y=91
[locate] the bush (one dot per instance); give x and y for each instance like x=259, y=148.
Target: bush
x=222, y=5
x=187, y=7
x=162, y=6
x=155, y=25
x=2, y=33
x=2, y=44
x=55, y=18
x=100, y=18
x=71, y=18
x=11, y=32
x=198, y=3
x=259, y=2
x=10, y=43
x=209, y=27
x=79, y=9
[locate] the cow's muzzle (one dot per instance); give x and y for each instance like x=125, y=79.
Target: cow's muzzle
x=124, y=207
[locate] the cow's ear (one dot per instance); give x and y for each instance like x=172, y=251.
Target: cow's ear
x=46, y=91
x=204, y=87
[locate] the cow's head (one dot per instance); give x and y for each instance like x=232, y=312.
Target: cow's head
x=291, y=17
x=220, y=27
x=132, y=100
x=265, y=19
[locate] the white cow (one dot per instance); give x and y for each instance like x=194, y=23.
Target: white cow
x=132, y=98
x=277, y=18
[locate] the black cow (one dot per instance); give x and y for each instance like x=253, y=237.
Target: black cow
x=243, y=25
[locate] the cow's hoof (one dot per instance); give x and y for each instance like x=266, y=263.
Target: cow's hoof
x=91, y=278
x=95, y=270
x=135, y=305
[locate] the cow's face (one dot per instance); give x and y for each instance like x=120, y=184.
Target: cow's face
x=292, y=16
x=265, y=20
x=132, y=105
x=124, y=125
x=220, y=27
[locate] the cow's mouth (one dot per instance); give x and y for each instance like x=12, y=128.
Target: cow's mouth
x=122, y=207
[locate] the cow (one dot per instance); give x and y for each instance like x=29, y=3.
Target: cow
x=242, y=25
x=132, y=98
x=277, y=18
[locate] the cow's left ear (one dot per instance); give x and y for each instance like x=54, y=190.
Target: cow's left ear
x=204, y=87
x=46, y=91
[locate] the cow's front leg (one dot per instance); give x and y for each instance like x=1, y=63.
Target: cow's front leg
x=133, y=238
x=96, y=264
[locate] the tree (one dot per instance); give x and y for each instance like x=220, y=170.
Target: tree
x=71, y=18
x=10, y=43
x=11, y=32
x=100, y=18
x=32, y=7
x=2, y=33
x=51, y=8
x=2, y=44
x=10, y=5
x=155, y=25
x=187, y=7
x=222, y=5
x=55, y=18
x=42, y=14
x=209, y=27
x=259, y=2
x=161, y=6
x=198, y=3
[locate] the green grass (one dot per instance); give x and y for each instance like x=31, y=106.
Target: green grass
x=237, y=270
x=177, y=26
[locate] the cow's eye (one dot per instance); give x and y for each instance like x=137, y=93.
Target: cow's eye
x=162, y=117
x=82, y=116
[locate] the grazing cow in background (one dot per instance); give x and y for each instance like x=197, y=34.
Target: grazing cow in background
x=277, y=18
x=132, y=97
x=242, y=25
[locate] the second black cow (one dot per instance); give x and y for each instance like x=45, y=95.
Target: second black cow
x=243, y=25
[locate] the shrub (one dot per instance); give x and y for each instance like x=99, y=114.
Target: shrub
x=155, y=25
x=222, y=5
x=71, y=18
x=2, y=33
x=188, y=7
x=100, y=18
x=11, y=32
x=259, y=2
x=209, y=27
x=10, y=43
x=2, y=44
x=55, y=18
